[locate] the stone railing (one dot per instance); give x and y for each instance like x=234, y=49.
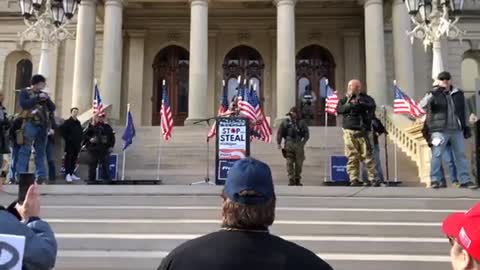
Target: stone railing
x=407, y=135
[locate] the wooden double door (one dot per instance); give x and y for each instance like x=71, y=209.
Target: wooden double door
x=316, y=69
x=171, y=64
x=246, y=62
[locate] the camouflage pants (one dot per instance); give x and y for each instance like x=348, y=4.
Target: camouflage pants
x=295, y=156
x=358, y=148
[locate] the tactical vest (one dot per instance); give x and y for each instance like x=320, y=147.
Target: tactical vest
x=293, y=130
x=38, y=114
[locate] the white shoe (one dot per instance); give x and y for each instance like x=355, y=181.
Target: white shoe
x=75, y=178
x=68, y=178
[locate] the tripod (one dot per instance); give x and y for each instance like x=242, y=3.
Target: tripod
x=206, y=180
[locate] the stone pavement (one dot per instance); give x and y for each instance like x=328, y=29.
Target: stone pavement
x=134, y=227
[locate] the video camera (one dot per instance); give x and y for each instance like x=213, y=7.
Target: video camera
x=308, y=99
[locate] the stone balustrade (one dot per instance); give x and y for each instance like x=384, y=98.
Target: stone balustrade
x=407, y=135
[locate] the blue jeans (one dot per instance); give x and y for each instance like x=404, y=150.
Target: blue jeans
x=378, y=165
x=449, y=160
x=50, y=161
x=13, y=164
x=457, y=143
x=36, y=135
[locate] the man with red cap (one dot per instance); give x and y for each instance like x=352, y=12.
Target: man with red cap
x=463, y=232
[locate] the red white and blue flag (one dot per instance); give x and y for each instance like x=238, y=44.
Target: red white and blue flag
x=223, y=109
x=403, y=104
x=244, y=104
x=262, y=126
x=166, y=120
x=332, y=101
x=98, y=107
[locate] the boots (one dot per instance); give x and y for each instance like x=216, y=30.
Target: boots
x=298, y=183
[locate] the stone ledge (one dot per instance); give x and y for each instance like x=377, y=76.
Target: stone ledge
x=307, y=191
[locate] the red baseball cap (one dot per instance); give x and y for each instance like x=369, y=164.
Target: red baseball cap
x=465, y=228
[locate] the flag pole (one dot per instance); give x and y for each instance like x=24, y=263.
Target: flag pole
x=125, y=150
x=395, y=179
x=161, y=135
x=387, y=170
x=325, y=178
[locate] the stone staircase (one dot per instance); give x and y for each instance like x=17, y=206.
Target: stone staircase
x=184, y=160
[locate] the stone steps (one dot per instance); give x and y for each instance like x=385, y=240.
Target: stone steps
x=183, y=159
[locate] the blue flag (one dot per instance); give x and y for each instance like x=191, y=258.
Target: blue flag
x=129, y=132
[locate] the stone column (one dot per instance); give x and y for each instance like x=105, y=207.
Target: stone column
x=353, y=63
x=111, y=78
x=375, y=51
x=286, y=77
x=198, y=80
x=84, y=56
x=402, y=48
x=136, y=56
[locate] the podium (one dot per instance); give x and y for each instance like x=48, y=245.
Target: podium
x=232, y=144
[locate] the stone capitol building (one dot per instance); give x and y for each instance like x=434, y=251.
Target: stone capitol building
x=281, y=46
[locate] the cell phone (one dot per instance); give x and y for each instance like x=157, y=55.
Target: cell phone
x=25, y=180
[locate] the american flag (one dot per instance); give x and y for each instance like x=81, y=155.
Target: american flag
x=223, y=108
x=262, y=127
x=244, y=104
x=98, y=107
x=332, y=101
x=403, y=104
x=166, y=119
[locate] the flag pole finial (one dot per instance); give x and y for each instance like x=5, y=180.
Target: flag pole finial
x=163, y=82
x=395, y=82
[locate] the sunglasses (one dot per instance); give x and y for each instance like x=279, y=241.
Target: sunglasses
x=444, y=79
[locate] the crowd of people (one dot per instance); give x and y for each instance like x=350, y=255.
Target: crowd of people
x=244, y=240
x=446, y=127
x=36, y=127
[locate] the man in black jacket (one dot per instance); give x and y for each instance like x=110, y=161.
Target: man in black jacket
x=244, y=242
x=72, y=133
x=100, y=140
x=356, y=109
x=447, y=123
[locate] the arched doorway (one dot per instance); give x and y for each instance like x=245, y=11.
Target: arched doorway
x=316, y=67
x=171, y=64
x=23, y=76
x=246, y=62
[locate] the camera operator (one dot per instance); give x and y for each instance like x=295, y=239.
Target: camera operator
x=356, y=109
x=296, y=134
x=36, y=109
x=308, y=100
x=100, y=140
x=24, y=220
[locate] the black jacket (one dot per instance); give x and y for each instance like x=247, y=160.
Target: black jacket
x=437, y=109
x=4, y=127
x=103, y=134
x=72, y=132
x=357, y=112
x=12, y=132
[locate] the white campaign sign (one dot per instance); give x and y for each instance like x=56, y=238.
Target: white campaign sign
x=12, y=248
x=232, y=141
